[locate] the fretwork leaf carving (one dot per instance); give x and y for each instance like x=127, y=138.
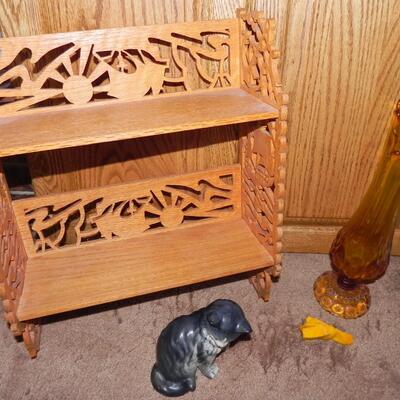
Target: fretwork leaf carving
x=87, y=67
x=105, y=216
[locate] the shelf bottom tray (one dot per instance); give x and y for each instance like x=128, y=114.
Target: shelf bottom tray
x=75, y=278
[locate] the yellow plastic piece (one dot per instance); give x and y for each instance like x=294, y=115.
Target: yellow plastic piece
x=314, y=328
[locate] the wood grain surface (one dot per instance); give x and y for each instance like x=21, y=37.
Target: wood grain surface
x=308, y=238
x=134, y=119
x=76, y=278
x=88, y=68
x=340, y=67
x=124, y=161
x=122, y=211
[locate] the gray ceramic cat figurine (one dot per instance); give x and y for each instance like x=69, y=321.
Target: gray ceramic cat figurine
x=193, y=341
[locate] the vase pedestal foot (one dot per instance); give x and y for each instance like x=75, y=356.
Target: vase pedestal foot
x=349, y=303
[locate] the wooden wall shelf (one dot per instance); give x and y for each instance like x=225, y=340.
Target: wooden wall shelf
x=49, y=130
x=66, y=249
x=139, y=266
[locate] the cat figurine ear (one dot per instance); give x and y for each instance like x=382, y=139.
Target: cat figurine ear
x=243, y=327
x=214, y=319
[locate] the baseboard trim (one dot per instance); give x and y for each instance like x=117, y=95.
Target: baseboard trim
x=318, y=238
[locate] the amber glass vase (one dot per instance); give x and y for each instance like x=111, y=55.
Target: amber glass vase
x=360, y=252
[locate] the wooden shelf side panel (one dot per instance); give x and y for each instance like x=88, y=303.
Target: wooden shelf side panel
x=13, y=260
x=94, y=216
x=263, y=150
x=258, y=202
x=259, y=57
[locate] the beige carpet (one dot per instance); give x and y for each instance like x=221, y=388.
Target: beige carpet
x=107, y=352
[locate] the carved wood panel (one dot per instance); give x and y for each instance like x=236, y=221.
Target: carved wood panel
x=13, y=260
x=262, y=197
x=263, y=150
x=126, y=64
x=259, y=57
x=258, y=161
x=123, y=211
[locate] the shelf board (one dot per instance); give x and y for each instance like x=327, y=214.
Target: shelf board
x=33, y=132
x=70, y=279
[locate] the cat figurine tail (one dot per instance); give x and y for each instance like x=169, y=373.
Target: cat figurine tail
x=171, y=388
x=192, y=342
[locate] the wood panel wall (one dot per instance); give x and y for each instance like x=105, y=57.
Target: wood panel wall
x=128, y=160
x=340, y=66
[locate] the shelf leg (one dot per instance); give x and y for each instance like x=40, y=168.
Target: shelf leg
x=30, y=331
x=31, y=337
x=262, y=281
